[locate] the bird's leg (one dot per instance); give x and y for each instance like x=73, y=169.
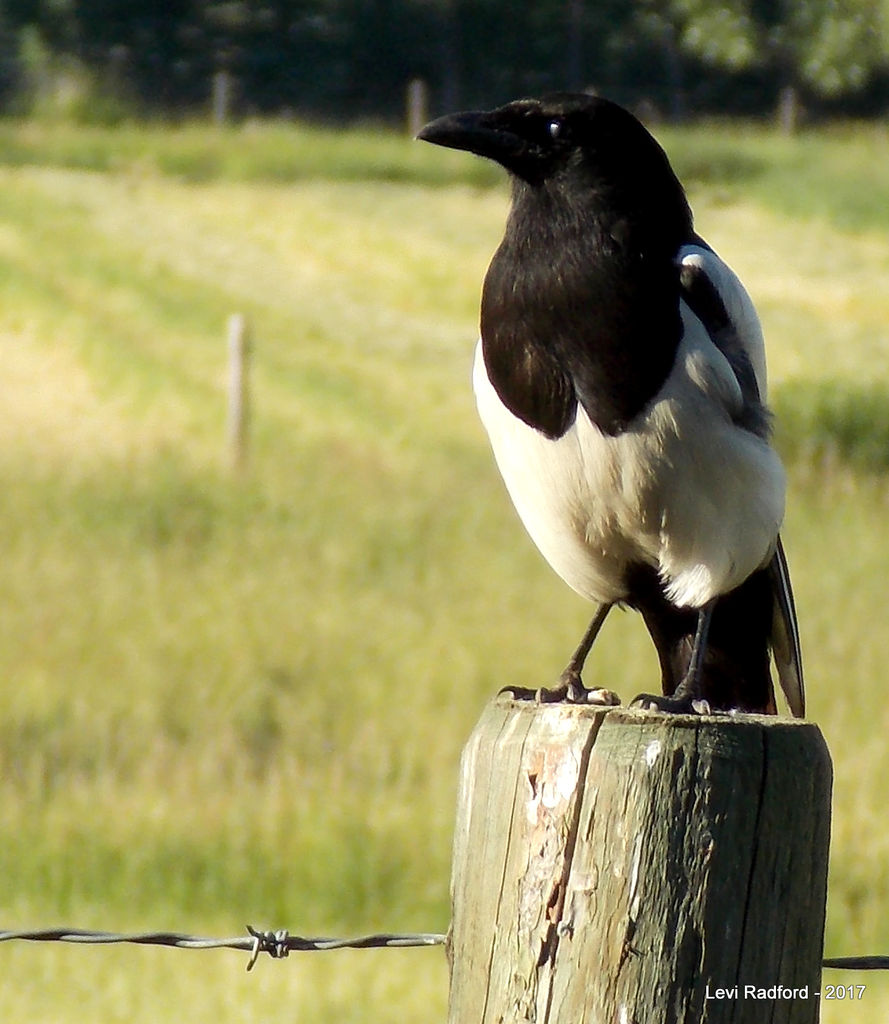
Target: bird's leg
x=570, y=679
x=686, y=698
x=570, y=687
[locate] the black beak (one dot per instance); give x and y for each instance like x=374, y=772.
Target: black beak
x=477, y=132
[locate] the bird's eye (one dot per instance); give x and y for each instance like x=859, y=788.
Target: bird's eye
x=554, y=128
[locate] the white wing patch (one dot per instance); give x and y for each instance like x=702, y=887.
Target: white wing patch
x=738, y=305
x=710, y=372
x=721, y=487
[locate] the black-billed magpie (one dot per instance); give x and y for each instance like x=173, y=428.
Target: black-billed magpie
x=621, y=378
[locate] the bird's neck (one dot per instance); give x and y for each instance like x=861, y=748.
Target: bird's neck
x=580, y=304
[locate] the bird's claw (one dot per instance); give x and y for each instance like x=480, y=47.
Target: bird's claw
x=672, y=705
x=570, y=690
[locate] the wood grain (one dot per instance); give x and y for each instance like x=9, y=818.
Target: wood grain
x=621, y=866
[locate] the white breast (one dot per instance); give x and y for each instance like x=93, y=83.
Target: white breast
x=684, y=489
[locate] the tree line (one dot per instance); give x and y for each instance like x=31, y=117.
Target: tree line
x=352, y=59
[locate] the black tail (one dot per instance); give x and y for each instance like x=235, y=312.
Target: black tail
x=785, y=635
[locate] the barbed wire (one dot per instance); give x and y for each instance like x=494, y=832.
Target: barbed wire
x=857, y=963
x=277, y=944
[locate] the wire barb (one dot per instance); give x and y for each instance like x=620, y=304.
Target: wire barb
x=273, y=943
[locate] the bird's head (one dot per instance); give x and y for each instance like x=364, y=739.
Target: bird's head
x=583, y=140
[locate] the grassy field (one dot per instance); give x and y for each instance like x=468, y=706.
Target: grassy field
x=234, y=698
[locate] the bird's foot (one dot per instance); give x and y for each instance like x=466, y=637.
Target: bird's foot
x=681, y=705
x=570, y=690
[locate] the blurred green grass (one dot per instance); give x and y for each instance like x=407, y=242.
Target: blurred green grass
x=241, y=697
x=257, y=151
x=836, y=172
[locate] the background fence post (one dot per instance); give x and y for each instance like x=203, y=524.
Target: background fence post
x=417, y=105
x=238, y=389
x=222, y=96
x=624, y=867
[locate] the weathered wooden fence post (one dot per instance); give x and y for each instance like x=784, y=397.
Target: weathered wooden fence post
x=623, y=867
x=417, y=103
x=238, y=389
x=222, y=96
